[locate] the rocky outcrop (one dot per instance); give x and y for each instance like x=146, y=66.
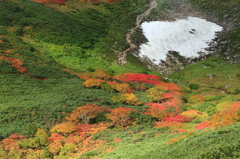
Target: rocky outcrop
x=180, y=9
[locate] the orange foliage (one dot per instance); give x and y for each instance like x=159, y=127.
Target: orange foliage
x=89, y=144
x=172, y=86
x=55, y=147
x=98, y=128
x=73, y=139
x=224, y=118
x=11, y=142
x=117, y=140
x=120, y=116
x=16, y=63
x=84, y=113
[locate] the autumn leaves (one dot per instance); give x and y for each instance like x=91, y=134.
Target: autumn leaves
x=126, y=84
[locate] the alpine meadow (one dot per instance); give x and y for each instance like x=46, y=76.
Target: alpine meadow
x=119, y=79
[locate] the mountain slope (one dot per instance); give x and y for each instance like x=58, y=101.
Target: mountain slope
x=63, y=94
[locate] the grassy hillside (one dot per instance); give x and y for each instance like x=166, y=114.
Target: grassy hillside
x=64, y=96
x=78, y=35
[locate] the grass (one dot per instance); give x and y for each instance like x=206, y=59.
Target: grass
x=217, y=67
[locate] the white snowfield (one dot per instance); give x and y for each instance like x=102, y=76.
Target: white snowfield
x=186, y=36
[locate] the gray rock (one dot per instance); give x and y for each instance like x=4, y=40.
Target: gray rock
x=223, y=42
x=225, y=16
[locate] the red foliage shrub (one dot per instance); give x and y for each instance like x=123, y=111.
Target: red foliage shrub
x=61, y=2
x=167, y=96
x=173, y=86
x=117, y=140
x=181, y=130
x=55, y=136
x=235, y=106
x=41, y=79
x=45, y=2
x=161, y=110
x=84, y=127
x=178, y=118
x=202, y=125
x=140, y=78
x=112, y=82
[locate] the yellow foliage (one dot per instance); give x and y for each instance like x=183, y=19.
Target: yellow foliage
x=67, y=150
x=64, y=128
x=92, y=83
x=128, y=98
x=131, y=99
x=155, y=93
x=36, y=154
x=158, y=114
x=40, y=140
x=173, y=140
x=123, y=88
x=101, y=74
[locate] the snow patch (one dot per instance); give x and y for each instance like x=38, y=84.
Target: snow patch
x=186, y=36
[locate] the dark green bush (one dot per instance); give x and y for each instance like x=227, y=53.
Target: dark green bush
x=194, y=86
x=238, y=75
x=237, y=91
x=107, y=87
x=142, y=119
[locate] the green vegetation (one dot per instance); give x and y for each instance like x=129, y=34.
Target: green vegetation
x=61, y=105
x=85, y=39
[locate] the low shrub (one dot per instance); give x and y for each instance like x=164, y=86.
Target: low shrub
x=194, y=86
